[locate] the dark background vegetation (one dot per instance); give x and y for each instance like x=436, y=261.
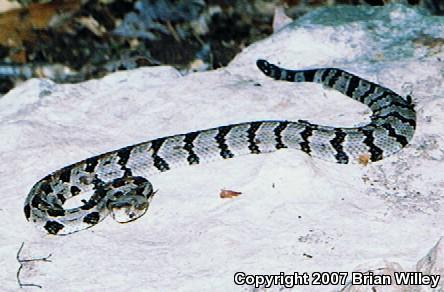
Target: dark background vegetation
x=91, y=38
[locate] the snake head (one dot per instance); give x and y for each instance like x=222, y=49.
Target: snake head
x=129, y=198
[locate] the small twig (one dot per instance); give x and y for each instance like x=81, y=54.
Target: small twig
x=22, y=261
x=173, y=31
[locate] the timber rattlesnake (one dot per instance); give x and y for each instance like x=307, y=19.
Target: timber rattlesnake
x=118, y=181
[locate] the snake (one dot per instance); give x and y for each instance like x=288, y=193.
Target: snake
x=117, y=182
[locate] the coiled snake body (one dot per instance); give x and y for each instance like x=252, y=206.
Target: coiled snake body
x=117, y=180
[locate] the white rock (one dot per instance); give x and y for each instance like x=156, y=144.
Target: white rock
x=368, y=279
x=280, y=19
x=433, y=263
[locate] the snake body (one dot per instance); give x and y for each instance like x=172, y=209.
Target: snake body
x=117, y=181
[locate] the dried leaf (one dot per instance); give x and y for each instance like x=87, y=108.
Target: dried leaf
x=228, y=194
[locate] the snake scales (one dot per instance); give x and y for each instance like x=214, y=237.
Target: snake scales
x=117, y=180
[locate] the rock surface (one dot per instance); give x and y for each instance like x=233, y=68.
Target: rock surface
x=295, y=214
